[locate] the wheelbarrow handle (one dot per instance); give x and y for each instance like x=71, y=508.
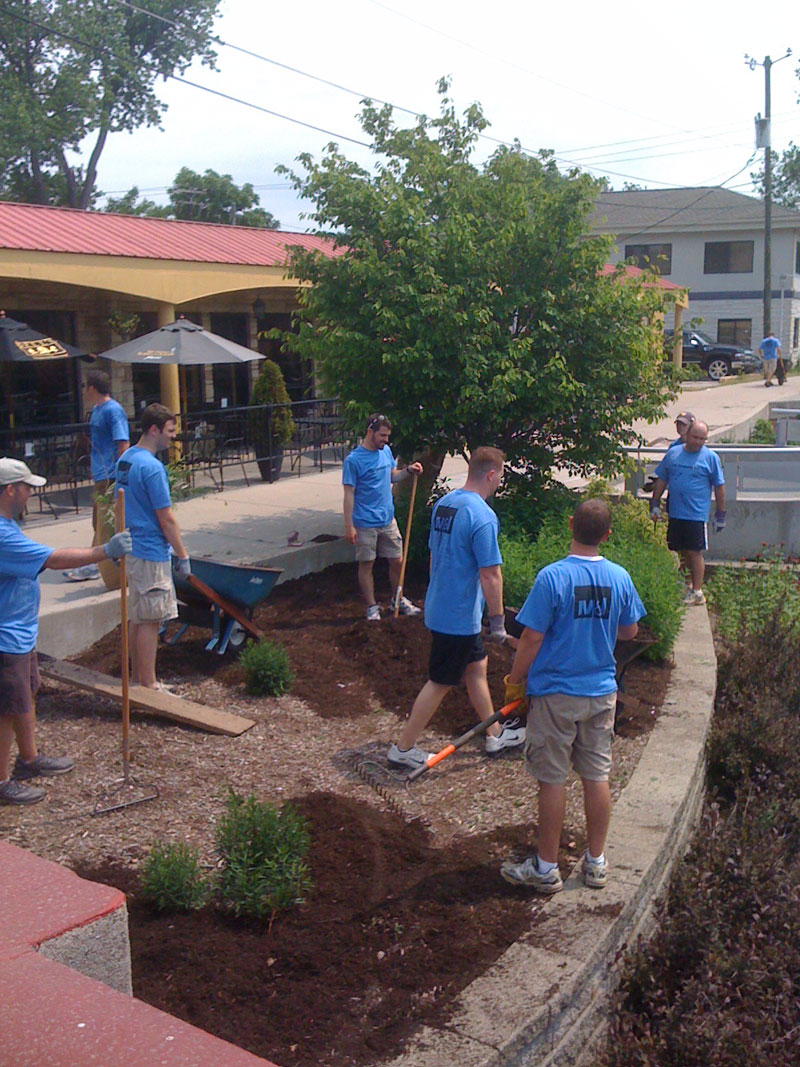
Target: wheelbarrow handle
x=476, y=731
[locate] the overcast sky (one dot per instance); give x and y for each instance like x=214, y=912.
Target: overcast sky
x=655, y=94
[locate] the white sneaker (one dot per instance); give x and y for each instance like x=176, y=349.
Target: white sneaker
x=595, y=875
x=407, y=608
x=408, y=758
x=373, y=613
x=82, y=574
x=527, y=874
x=694, y=598
x=511, y=737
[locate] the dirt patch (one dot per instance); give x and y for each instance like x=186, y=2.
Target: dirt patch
x=407, y=905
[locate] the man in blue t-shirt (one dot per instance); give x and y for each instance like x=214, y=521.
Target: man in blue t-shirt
x=156, y=538
x=577, y=610
x=369, y=523
x=21, y=562
x=691, y=472
x=465, y=574
x=770, y=349
x=110, y=436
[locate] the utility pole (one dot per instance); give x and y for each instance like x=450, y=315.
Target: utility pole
x=763, y=139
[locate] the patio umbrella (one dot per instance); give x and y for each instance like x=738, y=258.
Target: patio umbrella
x=19, y=343
x=181, y=342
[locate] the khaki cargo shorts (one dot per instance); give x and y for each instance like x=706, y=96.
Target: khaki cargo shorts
x=568, y=730
x=151, y=593
x=384, y=541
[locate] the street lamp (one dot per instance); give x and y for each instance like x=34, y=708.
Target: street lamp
x=259, y=309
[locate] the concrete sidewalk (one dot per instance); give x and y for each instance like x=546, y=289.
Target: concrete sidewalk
x=253, y=524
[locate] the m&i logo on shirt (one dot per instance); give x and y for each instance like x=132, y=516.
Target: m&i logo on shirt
x=443, y=519
x=592, y=602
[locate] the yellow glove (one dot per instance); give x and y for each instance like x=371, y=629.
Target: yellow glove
x=514, y=691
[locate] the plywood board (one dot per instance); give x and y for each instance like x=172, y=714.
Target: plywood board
x=149, y=701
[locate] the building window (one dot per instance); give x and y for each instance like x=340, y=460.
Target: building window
x=657, y=257
x=796, y=333
x=797, y=258
x=735, y=332
x=728, y=257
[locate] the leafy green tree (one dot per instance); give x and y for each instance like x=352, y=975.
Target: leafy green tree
x=72, y=70
x=469, y=304
x=785, y=178
x=209, y=197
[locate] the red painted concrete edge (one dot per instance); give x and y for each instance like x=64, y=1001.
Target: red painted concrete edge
x=52, y=1014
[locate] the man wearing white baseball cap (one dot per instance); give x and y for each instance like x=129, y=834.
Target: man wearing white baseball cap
x=21, y=562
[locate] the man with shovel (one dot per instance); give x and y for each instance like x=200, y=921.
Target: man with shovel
x=21, y=562
x=369, y=523
x=465, y=574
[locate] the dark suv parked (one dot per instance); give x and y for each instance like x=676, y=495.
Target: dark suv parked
x=717, y=360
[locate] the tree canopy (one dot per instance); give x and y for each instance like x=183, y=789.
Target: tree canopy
x=785, y=178
x=208, y=197
x=77, y=69
x=469, y=304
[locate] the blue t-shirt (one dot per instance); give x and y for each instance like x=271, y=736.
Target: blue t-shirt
x=769, y=348
x=690, y=476
x=108, y=424
x=21, y=561
x=578, y=603
x=463, y=539
x=370, y=473
x=144, y=479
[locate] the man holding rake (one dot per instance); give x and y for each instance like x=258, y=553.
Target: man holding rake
x=369, y=523
x=465, y=575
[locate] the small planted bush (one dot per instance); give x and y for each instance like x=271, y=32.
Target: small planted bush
x=172, y=879
x=267, y=670
x=263, y=852
x=745, y=598
x=633, y=544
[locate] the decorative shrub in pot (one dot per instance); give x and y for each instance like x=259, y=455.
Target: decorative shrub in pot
x=270, y=430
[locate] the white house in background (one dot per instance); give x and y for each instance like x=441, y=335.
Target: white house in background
x=712, y=241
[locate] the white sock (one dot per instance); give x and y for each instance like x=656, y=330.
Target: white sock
x=599, y=861
x=543, y=866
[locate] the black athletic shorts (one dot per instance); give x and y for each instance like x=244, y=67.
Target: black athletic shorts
x=451, y=654
x=687, y=535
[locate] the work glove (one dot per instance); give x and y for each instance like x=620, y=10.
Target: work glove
x=718, y=523
x=497, y=629
x=182, y=567
x=119, y=545
x=655, y=511
x=514, y=691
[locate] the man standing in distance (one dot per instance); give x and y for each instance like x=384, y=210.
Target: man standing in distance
x=770, y=349
x=465, y=574
x=369, y=523
x=577, y=609
x=108, y=429
x=21, y=563
x=691, y=472
x=156, y=537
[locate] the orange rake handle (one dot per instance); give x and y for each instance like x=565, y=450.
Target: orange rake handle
x=476, y=731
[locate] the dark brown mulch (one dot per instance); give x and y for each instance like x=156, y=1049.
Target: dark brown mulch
x=393, y=929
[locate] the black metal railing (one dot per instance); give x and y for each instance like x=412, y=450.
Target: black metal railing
x=209, y=443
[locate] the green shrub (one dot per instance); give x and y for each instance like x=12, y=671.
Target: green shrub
x=269, y=388
x=745, y=598
x=267, y=670
x=633, y=544
x=263, y=853
x=763, y=433
x=171, y=878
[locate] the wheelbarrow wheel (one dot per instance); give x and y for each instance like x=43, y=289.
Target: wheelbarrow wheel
x=238, y=636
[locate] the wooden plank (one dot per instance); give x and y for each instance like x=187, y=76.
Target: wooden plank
x=149, y=701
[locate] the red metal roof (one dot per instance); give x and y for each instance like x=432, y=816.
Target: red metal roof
x=33, y=228
x=633, y=272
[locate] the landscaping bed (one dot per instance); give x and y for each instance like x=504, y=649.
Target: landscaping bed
x=406, y=905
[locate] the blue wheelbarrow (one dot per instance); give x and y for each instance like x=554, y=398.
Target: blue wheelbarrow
x=222, y=597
